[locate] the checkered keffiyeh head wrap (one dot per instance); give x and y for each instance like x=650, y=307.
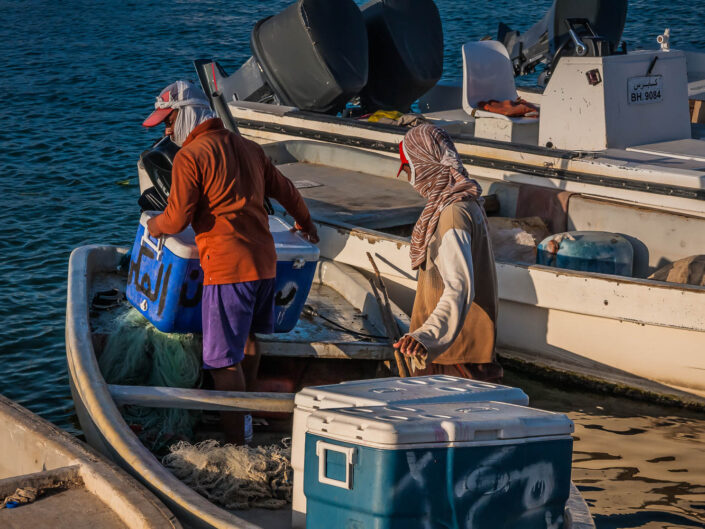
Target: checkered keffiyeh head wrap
x=439, y=177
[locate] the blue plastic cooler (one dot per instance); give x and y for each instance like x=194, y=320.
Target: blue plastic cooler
x=429, y=389
x=588, y=251
x=165, y=280
x=484, y=465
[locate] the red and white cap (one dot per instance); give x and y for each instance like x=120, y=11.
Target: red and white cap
x=174, y=96
x=404, y=157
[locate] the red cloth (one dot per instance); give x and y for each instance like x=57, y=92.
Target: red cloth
x=512, y=109
x=219, y=182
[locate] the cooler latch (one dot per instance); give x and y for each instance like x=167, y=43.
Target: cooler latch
x=349, y=452
x=299, y=263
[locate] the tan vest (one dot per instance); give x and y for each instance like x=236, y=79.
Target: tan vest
x=476, y=341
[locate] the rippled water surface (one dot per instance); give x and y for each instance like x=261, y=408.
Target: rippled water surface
x=77, y=80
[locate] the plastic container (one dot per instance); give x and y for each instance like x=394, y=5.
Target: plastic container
x=485, y=464
x=314, y=53
x=588, y=251
x=296, y=266
x=380, y=392
x=405, y=42
x=165, y=279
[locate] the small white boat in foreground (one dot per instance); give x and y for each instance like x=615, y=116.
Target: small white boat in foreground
x=93, y=268
x=63, y=483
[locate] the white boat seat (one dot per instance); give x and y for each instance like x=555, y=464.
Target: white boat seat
x=488, y=74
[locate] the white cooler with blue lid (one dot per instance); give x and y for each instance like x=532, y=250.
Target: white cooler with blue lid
x=476, y=464
x=381, y=392
x=165, y=280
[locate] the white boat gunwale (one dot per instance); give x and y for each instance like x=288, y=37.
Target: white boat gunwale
x=531, y=160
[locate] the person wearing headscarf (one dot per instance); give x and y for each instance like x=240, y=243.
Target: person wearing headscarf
x=453, y=322
x=219, y=183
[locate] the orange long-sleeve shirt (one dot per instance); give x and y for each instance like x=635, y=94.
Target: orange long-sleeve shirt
x=219, y=182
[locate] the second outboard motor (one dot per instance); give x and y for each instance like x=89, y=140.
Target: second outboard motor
x=405, y=52
x=569, y=28
x=157, y=163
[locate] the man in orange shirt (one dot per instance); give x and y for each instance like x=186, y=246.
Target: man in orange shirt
x=219, y=184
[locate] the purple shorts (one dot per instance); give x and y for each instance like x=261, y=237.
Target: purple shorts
x=230, y=314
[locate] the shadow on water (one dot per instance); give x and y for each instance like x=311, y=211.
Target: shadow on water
x=636, y=464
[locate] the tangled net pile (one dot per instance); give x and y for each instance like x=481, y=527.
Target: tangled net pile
x=235, y=477
x=136, y=353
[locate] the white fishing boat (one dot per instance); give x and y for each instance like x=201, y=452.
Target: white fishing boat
x=612, y=124
x=630, y=332
x=94, y=268
x=50, y=479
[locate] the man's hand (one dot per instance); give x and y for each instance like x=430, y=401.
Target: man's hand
x=310, y=235
x=409, y=346
x=152, y=228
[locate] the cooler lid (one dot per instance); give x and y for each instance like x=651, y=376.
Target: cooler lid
x=394, y=426
x=291, y=246
x=414, y=390
x=182, y=244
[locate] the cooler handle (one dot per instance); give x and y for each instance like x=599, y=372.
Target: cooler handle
x=348, y=451
x=158, y=247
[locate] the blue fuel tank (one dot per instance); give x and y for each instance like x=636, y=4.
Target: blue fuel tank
x=588, y=251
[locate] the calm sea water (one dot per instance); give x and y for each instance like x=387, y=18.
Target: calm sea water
x=78, y=78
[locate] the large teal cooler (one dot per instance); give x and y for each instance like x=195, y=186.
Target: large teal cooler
x=165, y=279
x=588, y=251
x=382, y=392
x=483, y=465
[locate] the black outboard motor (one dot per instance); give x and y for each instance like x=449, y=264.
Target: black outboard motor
x=581, y=28
x=157, y=163
x=312, y=55
x=405, y=41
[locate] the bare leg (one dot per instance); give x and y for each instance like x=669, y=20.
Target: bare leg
x=237, y=378
x=233, y=423
x=250, y=364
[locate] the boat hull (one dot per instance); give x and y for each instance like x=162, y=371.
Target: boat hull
x=642, y=334
x=106, y=431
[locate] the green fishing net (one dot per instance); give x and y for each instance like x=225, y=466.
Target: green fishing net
x=137, y=354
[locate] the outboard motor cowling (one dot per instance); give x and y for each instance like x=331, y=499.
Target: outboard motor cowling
x=157, y=163
x=585, y=28
x=405, y=42
x=312, y=55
